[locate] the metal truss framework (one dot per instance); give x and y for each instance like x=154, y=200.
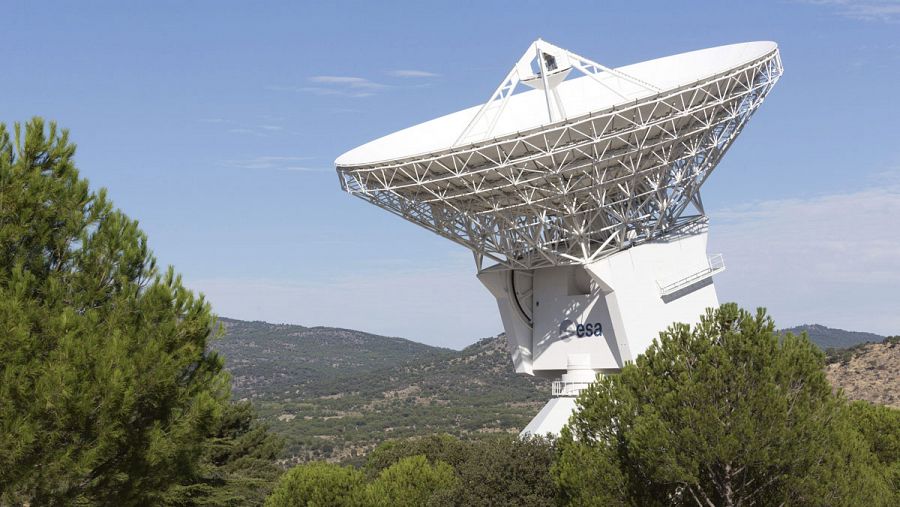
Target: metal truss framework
x=541, y=52
x=579, y=190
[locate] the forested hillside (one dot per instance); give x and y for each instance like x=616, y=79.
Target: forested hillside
x=831, y=338
x=269, y=360
x=336, y=393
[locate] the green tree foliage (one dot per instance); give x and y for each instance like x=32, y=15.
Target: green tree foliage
x=237, y=466
x=494, y=471
x=880, y=427
x=411, y=482
x=441, y=447
x=725, y=414
x=507, y=471
x=318, y=485
x=107, y=389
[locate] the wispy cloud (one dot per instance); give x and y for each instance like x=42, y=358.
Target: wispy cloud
x=318, y=90
x=351, y=86
x=832, y=259
x=863, y=10
x=277, y=163
x=340, y=86
x=412, y=73
x=242, y=130
x=247, y=128
x=348, y=81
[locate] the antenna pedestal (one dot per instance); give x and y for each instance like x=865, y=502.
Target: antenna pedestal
x=556, y=413
x=572, y=322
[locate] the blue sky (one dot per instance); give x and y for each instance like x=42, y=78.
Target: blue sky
x=216, y=124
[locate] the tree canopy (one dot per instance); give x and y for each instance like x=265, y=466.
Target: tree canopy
x=317, y=485
x=411, y=482
x=108, y=392
x=437, y=470
x=880, y=427
x=237, y=467
x=726, y=413
x=493, y=471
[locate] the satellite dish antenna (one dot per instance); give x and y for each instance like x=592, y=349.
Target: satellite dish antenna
x=579, y=198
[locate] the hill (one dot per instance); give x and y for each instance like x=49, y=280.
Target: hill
x=336, y=393
x=266, y=359
x=831, y=338
x=868, y=372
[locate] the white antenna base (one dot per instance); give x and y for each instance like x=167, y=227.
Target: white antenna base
x=551, y=419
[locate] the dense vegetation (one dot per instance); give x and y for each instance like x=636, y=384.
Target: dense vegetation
x=336, y=393
x=726, y=413
x=108, y=392
x=729, y=412
x=831, y=338
x=438, y=470
x=271, y=359
x=411, y=389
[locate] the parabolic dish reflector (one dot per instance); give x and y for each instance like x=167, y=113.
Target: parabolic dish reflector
x=576, y=168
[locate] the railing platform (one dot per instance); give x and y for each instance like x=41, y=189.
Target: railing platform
x=568, y=388
x=716, y=264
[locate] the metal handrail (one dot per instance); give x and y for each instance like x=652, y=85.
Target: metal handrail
x=568, y=388
x=716, y=264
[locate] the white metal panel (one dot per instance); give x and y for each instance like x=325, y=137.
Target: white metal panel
x=633, y=276
x=558, y=312
x=518, y=329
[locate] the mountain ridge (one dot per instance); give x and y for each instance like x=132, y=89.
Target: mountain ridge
x=335, y=393
x=833, y=338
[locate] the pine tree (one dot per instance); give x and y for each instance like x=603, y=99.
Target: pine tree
x=319, y=485
x=880, y=427
x=238, y=466
x=729, y=414
x=496, y=470
x=411, y=482
x=108, y=390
